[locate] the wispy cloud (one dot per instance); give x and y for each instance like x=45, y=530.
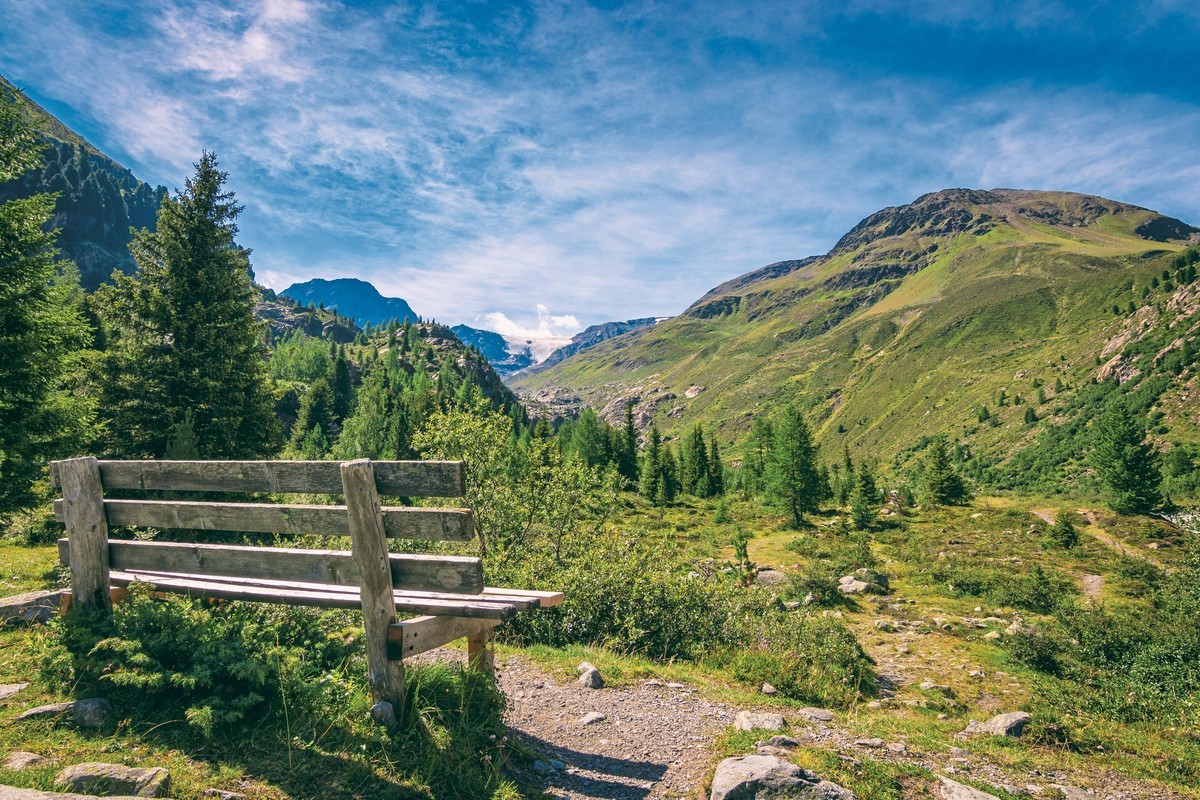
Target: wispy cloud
x=612, y=163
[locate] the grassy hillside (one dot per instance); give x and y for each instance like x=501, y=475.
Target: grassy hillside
x=919, y=318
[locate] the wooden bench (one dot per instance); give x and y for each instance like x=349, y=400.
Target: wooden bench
x=446, y=591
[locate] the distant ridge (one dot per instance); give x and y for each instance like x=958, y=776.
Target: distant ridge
x=999, y=318
x=352, y=298
x=592, y=336
x=99, y=200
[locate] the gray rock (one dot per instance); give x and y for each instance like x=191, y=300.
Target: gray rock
x=872, y=743
x=953, y=790
x=92, y=712
x=13, y=793
x=592, y=717
x=589, y=676
x=853, y=586
x=872, y=577
x=816, y=714
x=1071, y=792
x=770, y=577
x=542, y=766
x=31, y=607
x=763, y=777
x=7, y=690
x=21, y=760
x=384, y=714
x=1011, y=724
x=52, y=710
x=557, y=764
x=769, y=690
x=110, y=779
x=779, y=740
x=755, y=720
x=221, y=794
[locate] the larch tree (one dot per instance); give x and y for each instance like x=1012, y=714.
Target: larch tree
x=1127, y=465
x=182, y=334
x=792, y=479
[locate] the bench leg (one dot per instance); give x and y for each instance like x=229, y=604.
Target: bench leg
x=481, y=654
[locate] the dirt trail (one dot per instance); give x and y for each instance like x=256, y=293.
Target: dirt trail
x=1111, y=542
x=655, y=739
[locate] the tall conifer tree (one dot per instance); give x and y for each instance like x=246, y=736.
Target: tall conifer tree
x=182, y=333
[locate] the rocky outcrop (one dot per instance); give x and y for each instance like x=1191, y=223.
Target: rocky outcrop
x=114, y=779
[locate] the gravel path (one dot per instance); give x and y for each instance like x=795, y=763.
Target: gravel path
x=654, y=741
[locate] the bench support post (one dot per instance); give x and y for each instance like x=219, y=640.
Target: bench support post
x=481, y=654
x=369, y=543
x=87, y=527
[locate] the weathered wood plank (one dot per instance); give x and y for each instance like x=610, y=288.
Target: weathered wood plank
x=420, y=573
x=329, y=597
x=481, y=650
x=438, y=524
x=518, y=603
x=545, y=599
x=83, y=513
x=405, y=478
x=419, y=634
x=370, y=548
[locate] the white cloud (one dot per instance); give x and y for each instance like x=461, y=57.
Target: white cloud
x=551, y=332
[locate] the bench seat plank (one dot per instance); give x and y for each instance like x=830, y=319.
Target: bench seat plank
x=428, y=573
x=489, y=595
x=434, y=524
x=325, y=597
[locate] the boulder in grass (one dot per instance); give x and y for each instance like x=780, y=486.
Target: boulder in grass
x=767, y=776
x=21, y=760
x=31, y=607
x=1011, y=724
x=953, y=790
x=114, y=779
x=755, y=720
x=589, y=676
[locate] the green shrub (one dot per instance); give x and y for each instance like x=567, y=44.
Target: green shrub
x=1034, y=589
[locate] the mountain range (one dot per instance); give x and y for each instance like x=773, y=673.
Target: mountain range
x=921, y=320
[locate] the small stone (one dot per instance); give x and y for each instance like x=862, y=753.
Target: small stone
x=976, y=673
x=753, y=720
x=591, y=718
x=221, y=794
x=384, y=714
x=7, y=690
x=816, y=714
x=92, y=712
x=1011, y=724
x=589, y=676
x=779, y=740
x=885, y=625
x=21, y=760
x=557, y=764
x=873, y=743
x=769, y=690
x=676, y=686
x=542, y=766
x=874, y=704
x=653, y=682
x=897, y=747
x=114, y=779
x=991, y=636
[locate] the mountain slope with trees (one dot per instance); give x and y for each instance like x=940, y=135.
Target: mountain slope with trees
x=98, y=200
x=1004, y=320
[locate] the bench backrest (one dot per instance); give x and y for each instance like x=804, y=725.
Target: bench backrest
x=88, y=514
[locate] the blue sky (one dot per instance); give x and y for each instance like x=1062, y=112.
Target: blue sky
x=535, y=167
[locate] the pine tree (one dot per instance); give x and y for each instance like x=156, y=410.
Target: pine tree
x=313, y=431
x=864, y=500
x=942, y=483
x=627, y=463
x=41, y=327
x=792, y=480
x=1062, y=533
x=182, y=333
x=694, y=467
x=651, y=469
x=755, y=451
x=342, y=386
x=1127, y=465
x=716, y=469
